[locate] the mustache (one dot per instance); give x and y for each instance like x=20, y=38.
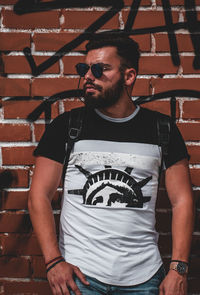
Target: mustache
x=95, y=86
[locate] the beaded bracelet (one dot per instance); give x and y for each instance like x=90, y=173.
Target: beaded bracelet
x=54, y=264
x=52, y=260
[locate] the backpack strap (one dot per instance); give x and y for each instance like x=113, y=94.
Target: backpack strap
x=75, y=124
x=163, y=129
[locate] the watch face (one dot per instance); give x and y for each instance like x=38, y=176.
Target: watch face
x=181, y=267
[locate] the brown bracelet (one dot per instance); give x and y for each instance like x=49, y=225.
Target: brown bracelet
x=52, y=260
x=54, y=264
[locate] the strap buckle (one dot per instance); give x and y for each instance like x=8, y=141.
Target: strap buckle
x=74, y=133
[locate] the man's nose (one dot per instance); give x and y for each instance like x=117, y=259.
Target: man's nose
x=89, y=75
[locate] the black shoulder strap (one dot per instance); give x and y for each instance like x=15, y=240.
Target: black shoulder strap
x=75, y=125
x=163, y=128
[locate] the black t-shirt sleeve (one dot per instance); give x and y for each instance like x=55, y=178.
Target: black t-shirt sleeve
x=53, y=141
x=177, y=149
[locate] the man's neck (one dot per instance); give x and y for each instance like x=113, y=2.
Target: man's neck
x=119, y=110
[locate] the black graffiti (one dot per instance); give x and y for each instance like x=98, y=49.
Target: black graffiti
x=167, y=94
x=46, y=104
x=88, y=33
x=192, y=25
x=24, y=6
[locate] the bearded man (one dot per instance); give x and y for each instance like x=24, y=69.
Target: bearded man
x=108, y=242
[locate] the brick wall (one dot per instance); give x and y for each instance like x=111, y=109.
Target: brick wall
x=23, y=87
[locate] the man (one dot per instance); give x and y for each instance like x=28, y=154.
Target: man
x=108, y=243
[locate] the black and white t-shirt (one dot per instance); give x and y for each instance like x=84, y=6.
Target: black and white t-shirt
x=107, y=225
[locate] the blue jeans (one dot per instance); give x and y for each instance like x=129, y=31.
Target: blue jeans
x=150, y=287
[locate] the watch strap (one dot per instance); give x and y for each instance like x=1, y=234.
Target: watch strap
x=179, y=261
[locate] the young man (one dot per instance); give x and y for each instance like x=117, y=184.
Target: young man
x=108, y=243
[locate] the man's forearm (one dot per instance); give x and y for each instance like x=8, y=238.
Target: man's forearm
x=182, y=228
x=44, y=226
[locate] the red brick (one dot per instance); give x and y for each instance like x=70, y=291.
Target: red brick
x=163, y=221
x=21, y=109
x=183, y=41
x=185, y=17
x=83, y=19
x=20, y=244
x=191, y=109
x=14, y=41
x=72, y=104
x=194, y=269
x=48, y=87
x=194, y=152
x=14, y=87
x=143, y=2
x=190, y=131
x=144, y=42
x=49, y=19
x=19, y=200
x=193, y=285
x=195, y=176
x=19, y=65
x=70, y=62
x=172, y=2
x=55, y=41
x=14, y=200
x=162, y=85
x=197, y=221
x=156, y=65
x=26, y=288
x=163, y=200
x=148, y=19
x=142, y=87
x=15, y=132
x=196, y=194
x=187, y=65
x=15, y=222
x=18, y=155
x=14, y=267
x=195, y=247
x=56, y=202
x=39, y=130
x=7, y=2
x=162, y=107
x=39, y=269
x=20, y=177
x=165, y=244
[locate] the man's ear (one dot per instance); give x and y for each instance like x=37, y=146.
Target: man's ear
x=129, y=76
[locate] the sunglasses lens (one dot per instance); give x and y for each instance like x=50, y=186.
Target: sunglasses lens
x=82, y=69
x=97, y=70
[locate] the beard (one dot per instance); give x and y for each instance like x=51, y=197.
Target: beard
x=107, y=97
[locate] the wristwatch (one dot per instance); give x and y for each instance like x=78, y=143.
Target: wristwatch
x=180, y=266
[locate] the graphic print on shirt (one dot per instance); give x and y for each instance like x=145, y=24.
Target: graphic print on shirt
x=112, y=187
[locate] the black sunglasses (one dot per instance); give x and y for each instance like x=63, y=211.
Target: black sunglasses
x=83, y=68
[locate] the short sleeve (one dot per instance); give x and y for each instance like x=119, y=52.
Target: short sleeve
x=53, y=141
x=177, y=149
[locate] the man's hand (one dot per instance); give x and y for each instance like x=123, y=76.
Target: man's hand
x=174, y=284
x=60, y=277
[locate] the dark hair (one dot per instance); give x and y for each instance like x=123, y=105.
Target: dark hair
x=127, y=48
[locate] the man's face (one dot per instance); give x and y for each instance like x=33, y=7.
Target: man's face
x=104, y=91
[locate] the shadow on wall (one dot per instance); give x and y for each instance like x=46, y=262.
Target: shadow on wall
x=7, y=178
x=10, y=221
